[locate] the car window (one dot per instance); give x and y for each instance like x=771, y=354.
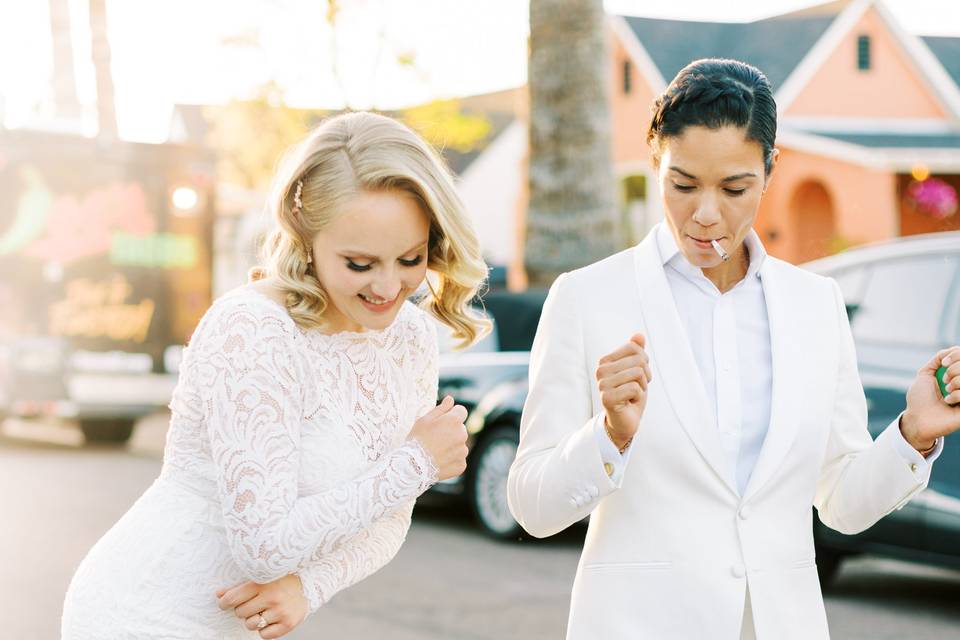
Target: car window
x=952, y=316
x=852, y=283
x=903, y=301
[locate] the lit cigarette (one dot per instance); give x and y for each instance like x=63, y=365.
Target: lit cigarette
x=720, y=252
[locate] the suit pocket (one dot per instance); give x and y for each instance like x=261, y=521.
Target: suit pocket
x=650, y=565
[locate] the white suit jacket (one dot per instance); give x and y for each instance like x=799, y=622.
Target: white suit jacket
x=671, y=548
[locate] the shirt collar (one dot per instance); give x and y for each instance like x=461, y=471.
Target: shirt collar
x=670, y=253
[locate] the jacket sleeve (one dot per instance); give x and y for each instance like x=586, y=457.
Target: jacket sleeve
x=862, y=479
x=558, y=476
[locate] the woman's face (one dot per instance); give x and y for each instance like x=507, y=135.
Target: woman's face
x=370, y=258
x=711, y=181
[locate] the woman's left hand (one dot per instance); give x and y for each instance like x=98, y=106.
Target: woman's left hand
x=274, y=609
x=929, y=415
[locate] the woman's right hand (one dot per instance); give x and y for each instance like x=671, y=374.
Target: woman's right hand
x=622, y=379
x=443, y=436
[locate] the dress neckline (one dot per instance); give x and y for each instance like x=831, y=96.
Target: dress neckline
x=367, y=334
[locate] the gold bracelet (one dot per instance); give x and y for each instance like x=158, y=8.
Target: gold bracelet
x=606, y=428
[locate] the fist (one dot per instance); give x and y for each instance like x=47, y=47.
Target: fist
x=443, y=436
x=929, y=414
x=622, y=378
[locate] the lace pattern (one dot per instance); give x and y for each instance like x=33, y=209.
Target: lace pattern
x=293, y=448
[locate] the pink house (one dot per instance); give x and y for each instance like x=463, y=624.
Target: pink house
x=869, y=120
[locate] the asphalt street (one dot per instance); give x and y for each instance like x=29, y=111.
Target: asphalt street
x=448, y=582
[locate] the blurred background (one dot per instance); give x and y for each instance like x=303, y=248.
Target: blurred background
x=137, y=141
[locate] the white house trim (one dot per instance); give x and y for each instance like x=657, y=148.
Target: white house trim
x=898, y=160
x=819, y=145
x=868, y=125
x=926, y=65
x=638, y=53
x=817, y=55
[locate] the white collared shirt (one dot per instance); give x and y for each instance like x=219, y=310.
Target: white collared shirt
x=729, y=335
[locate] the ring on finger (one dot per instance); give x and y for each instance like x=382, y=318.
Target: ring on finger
x=262, y=622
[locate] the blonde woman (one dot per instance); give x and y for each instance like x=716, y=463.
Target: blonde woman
x=304, y=424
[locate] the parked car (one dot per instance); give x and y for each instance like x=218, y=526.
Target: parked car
x=903, y=299
x=490, y=380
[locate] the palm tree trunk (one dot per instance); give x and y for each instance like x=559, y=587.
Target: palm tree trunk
x=572, y=217
x=100, y=45
x=65, y=101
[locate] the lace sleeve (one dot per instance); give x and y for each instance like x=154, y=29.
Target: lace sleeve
x=249, y=377
x=355, y=559
x=373, y=548
x=426, y=357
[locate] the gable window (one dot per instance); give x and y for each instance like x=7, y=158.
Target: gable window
x=863, y=53
x=627, y=77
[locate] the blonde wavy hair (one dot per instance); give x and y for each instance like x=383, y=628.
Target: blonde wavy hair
x=347, y=155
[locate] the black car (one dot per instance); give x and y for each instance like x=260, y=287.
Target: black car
x=903, y=298
x=490, y=380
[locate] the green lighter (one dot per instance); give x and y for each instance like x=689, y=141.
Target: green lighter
x=941, y=376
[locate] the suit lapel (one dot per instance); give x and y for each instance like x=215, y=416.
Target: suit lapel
x=669, y=349
x=787, y=356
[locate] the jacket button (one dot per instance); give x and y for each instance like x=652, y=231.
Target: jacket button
x=738, y=571
x=744, y=513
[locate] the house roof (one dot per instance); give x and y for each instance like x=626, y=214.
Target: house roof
x=500, y=108
x=947, y=50
x=939, y=140
x=459, y=161
x=775, y=45
x=190, y=124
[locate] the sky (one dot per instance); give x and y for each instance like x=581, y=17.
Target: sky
x=209, y=51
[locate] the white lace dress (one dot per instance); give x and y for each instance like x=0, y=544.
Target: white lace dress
x=287, y=453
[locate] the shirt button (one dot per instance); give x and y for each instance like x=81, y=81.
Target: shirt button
x=738, y=571
x=914, y=467
x=608, y=467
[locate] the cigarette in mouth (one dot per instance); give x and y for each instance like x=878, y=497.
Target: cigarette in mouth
x=720, y=252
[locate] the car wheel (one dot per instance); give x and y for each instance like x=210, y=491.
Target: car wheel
x=107, y=430
x=488, y=482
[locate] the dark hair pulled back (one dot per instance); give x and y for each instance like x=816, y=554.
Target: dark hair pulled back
x=714, y=93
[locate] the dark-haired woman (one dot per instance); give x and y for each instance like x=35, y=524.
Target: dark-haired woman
x=695, y=397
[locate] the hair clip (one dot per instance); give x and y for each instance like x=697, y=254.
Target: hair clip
x=297, y=202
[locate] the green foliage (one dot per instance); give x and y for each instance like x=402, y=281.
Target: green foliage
x=445, y=125
x=249, y=136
